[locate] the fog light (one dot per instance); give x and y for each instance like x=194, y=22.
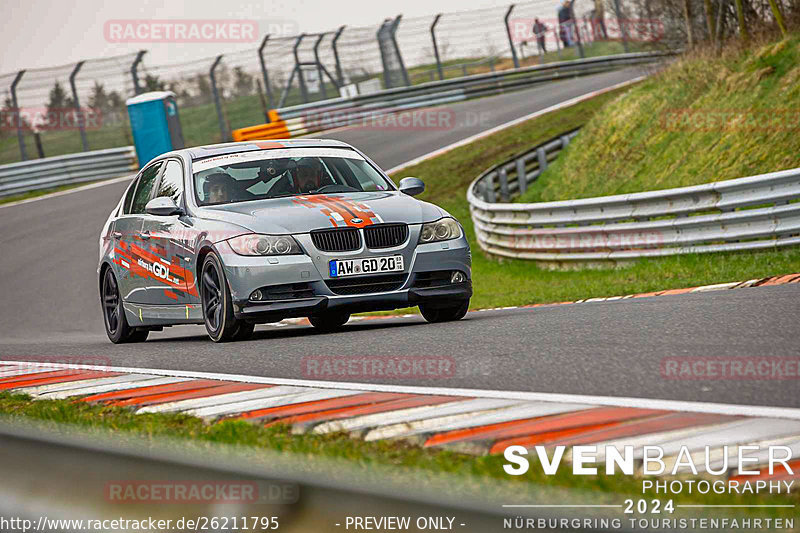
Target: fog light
x=458, y=277
x=256, y=295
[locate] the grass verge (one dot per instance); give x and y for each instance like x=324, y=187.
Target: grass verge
x=472, y=471
x=508, y=282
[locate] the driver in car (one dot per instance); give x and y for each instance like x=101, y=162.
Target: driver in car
x=218, y=187
x=309, y=175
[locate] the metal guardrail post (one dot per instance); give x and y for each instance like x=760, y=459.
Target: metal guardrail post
x=319, y=66
x=436, y=46
x=541, y=156
x=264, y=73
x=300, y=76
x=393, y=33
x=510, y=40
x=522, y=179
x=20, y=137
x=77, y=104
x=137, y=88
x=223, y=129
x=339, y=75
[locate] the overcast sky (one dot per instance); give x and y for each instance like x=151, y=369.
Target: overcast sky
x=44, y=33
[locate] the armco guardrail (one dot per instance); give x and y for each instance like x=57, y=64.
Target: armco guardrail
x=37, y=174
x=333, y=113
x=56, y=474
x=741, y=214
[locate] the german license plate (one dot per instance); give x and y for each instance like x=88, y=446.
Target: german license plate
x=365, y=265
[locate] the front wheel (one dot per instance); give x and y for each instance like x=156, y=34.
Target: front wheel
x=221, y=324
x=444, y=314
x=117, y=327
x=329, y=321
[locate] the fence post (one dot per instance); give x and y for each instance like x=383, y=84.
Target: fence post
x=223, y=128
x=301, y=77
x=77, y=104
x=264, y=73
x=393, y=32
x=339, y=75
x=20, y=136
x=319, y=66
x=387, y=75
x=621, y=24
x=137, y=89
x=577, y=29
x=436, y=46
x=510, y=40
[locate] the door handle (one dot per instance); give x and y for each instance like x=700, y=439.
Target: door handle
x=117, y=234
x=144, y=235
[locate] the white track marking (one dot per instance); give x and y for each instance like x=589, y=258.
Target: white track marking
x=475, y=406
x=86, y=384
x=520, y=412
x=219, y=399
x=69, y=191
x=742, y=432
x=147, y=381
x=444, y=416
x=652, y=439
x=19, y=372
x=614, y=401
x=278, y=401
x=491, y=131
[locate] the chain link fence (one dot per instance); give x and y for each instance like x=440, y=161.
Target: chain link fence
x=81, y=106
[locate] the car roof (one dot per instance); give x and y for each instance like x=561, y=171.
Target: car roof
x=201, y=152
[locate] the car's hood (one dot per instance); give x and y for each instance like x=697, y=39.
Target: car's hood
x=301, y=214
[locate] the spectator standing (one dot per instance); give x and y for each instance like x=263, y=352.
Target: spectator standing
x=540, y=31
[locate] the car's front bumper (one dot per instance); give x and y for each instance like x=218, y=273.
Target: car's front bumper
x=276, y=310
x=246, y=274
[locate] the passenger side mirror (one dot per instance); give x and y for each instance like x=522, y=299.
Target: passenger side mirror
x=163, y=206
x=411, y=186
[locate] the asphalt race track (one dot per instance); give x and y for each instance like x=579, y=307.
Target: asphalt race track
x=48, y=257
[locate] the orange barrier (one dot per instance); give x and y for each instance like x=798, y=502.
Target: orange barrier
x=276, y=129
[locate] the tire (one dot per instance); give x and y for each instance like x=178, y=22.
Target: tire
x=221, y=324
x=116, y=324
x=444, y=314
x=329, y=321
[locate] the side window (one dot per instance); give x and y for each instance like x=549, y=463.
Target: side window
x=126, y=206
x=171, y=182
x=144, y=189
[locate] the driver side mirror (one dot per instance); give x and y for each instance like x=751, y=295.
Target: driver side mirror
x=163, y=206
x=411, y=186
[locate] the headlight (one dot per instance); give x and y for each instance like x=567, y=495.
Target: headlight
x=254, y=244
x=441, y=230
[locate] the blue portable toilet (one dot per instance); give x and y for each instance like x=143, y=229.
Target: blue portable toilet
x=155, y=124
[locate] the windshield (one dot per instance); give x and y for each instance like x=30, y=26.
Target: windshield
x=261, y=175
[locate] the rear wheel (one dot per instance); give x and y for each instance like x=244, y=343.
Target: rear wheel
x=444, y=314
x=220, y=322
x=117, y=327
x=329, y=321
